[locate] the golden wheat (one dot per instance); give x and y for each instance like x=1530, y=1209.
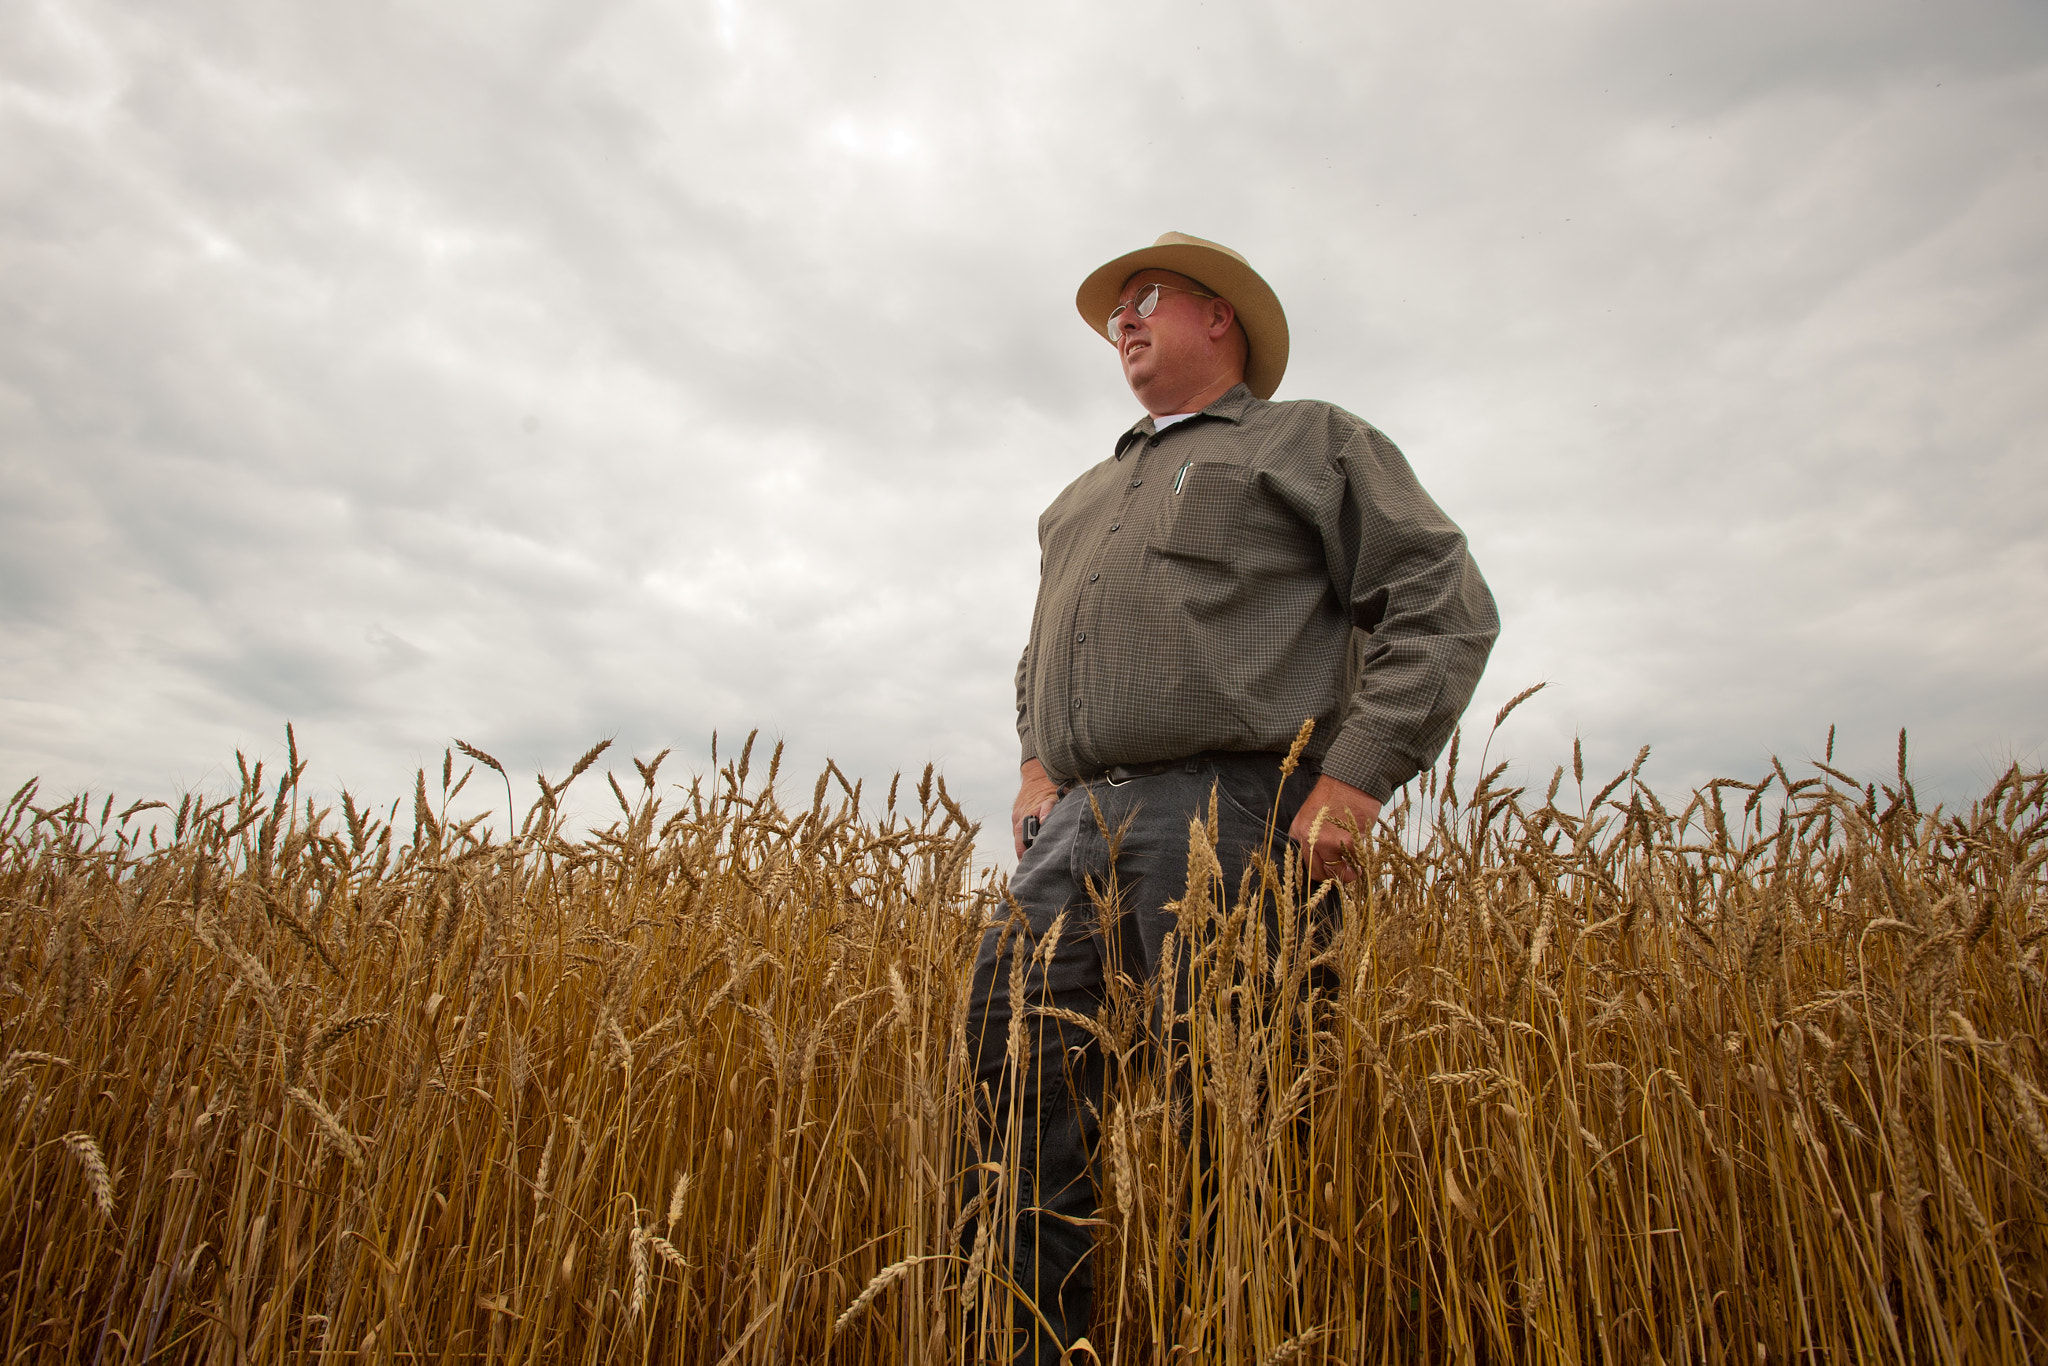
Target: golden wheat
x=1577, y=1080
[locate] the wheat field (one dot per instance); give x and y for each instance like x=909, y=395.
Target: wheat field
x=1578, y=1077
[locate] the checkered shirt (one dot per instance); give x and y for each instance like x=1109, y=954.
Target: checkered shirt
x=1200, y=590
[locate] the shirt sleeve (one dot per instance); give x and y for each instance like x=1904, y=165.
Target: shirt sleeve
x=1403, y=569
x=1025, y=738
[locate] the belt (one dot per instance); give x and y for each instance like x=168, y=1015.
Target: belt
x=1116, y=775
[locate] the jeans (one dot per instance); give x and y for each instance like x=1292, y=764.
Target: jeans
x=1065, y=1074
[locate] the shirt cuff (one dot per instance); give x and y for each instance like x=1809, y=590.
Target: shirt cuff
x=1028, y=745
x=1372, y=766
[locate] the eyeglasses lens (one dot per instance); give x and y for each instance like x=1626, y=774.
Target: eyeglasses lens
x=1142, y=306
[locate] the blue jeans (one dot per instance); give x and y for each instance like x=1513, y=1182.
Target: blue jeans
x=1062, y=1090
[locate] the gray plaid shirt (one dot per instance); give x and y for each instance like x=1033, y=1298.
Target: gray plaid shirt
x=1198, y=591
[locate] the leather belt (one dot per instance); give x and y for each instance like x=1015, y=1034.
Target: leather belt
x=1116, y=775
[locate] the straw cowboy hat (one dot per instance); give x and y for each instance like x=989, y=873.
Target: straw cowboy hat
x=1218, y=269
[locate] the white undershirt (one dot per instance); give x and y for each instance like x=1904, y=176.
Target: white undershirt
x=1160, y=424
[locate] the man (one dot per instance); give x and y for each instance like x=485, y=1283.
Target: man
x=1198, y=594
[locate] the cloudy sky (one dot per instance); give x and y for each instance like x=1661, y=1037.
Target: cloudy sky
x=534, y=373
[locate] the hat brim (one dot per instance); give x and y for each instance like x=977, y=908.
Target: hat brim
x=1258, y=307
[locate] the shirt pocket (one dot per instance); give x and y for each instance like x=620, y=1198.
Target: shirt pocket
x=1205, y=513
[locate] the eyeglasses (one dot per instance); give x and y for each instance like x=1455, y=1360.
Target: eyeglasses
x=1144, y=304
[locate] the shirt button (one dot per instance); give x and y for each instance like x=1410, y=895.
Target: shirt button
x=1093, y=577
x=1081, y=639
x=1114, y=525
x=1077, y=704
x=1136, y=482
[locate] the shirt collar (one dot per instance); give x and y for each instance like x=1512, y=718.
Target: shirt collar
x=1231, y=406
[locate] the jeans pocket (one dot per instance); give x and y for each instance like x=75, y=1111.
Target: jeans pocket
x=1249, y=796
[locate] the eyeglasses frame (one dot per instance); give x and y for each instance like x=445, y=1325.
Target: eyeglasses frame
x=1145, y=303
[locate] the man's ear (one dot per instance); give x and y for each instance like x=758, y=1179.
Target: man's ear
x=1221, y=316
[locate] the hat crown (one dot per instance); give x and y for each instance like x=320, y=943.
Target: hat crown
x=1183, y=239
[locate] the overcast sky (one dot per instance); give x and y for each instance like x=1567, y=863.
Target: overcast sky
x=535, y=373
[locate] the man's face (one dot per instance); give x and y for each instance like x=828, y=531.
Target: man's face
x=1172, y=346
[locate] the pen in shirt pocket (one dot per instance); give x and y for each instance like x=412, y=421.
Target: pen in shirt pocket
x=1182, y=474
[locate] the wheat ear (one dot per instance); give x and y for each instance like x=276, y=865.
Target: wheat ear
x=87, y=1150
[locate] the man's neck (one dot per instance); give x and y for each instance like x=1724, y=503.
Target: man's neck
x=1190, y=403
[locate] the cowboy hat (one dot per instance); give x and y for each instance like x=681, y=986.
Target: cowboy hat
x=1215, y=267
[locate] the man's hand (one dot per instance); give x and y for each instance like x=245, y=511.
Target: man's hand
x=1036, y=795
x=1326, y=859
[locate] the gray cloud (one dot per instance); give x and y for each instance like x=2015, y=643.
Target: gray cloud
x=542, y=374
